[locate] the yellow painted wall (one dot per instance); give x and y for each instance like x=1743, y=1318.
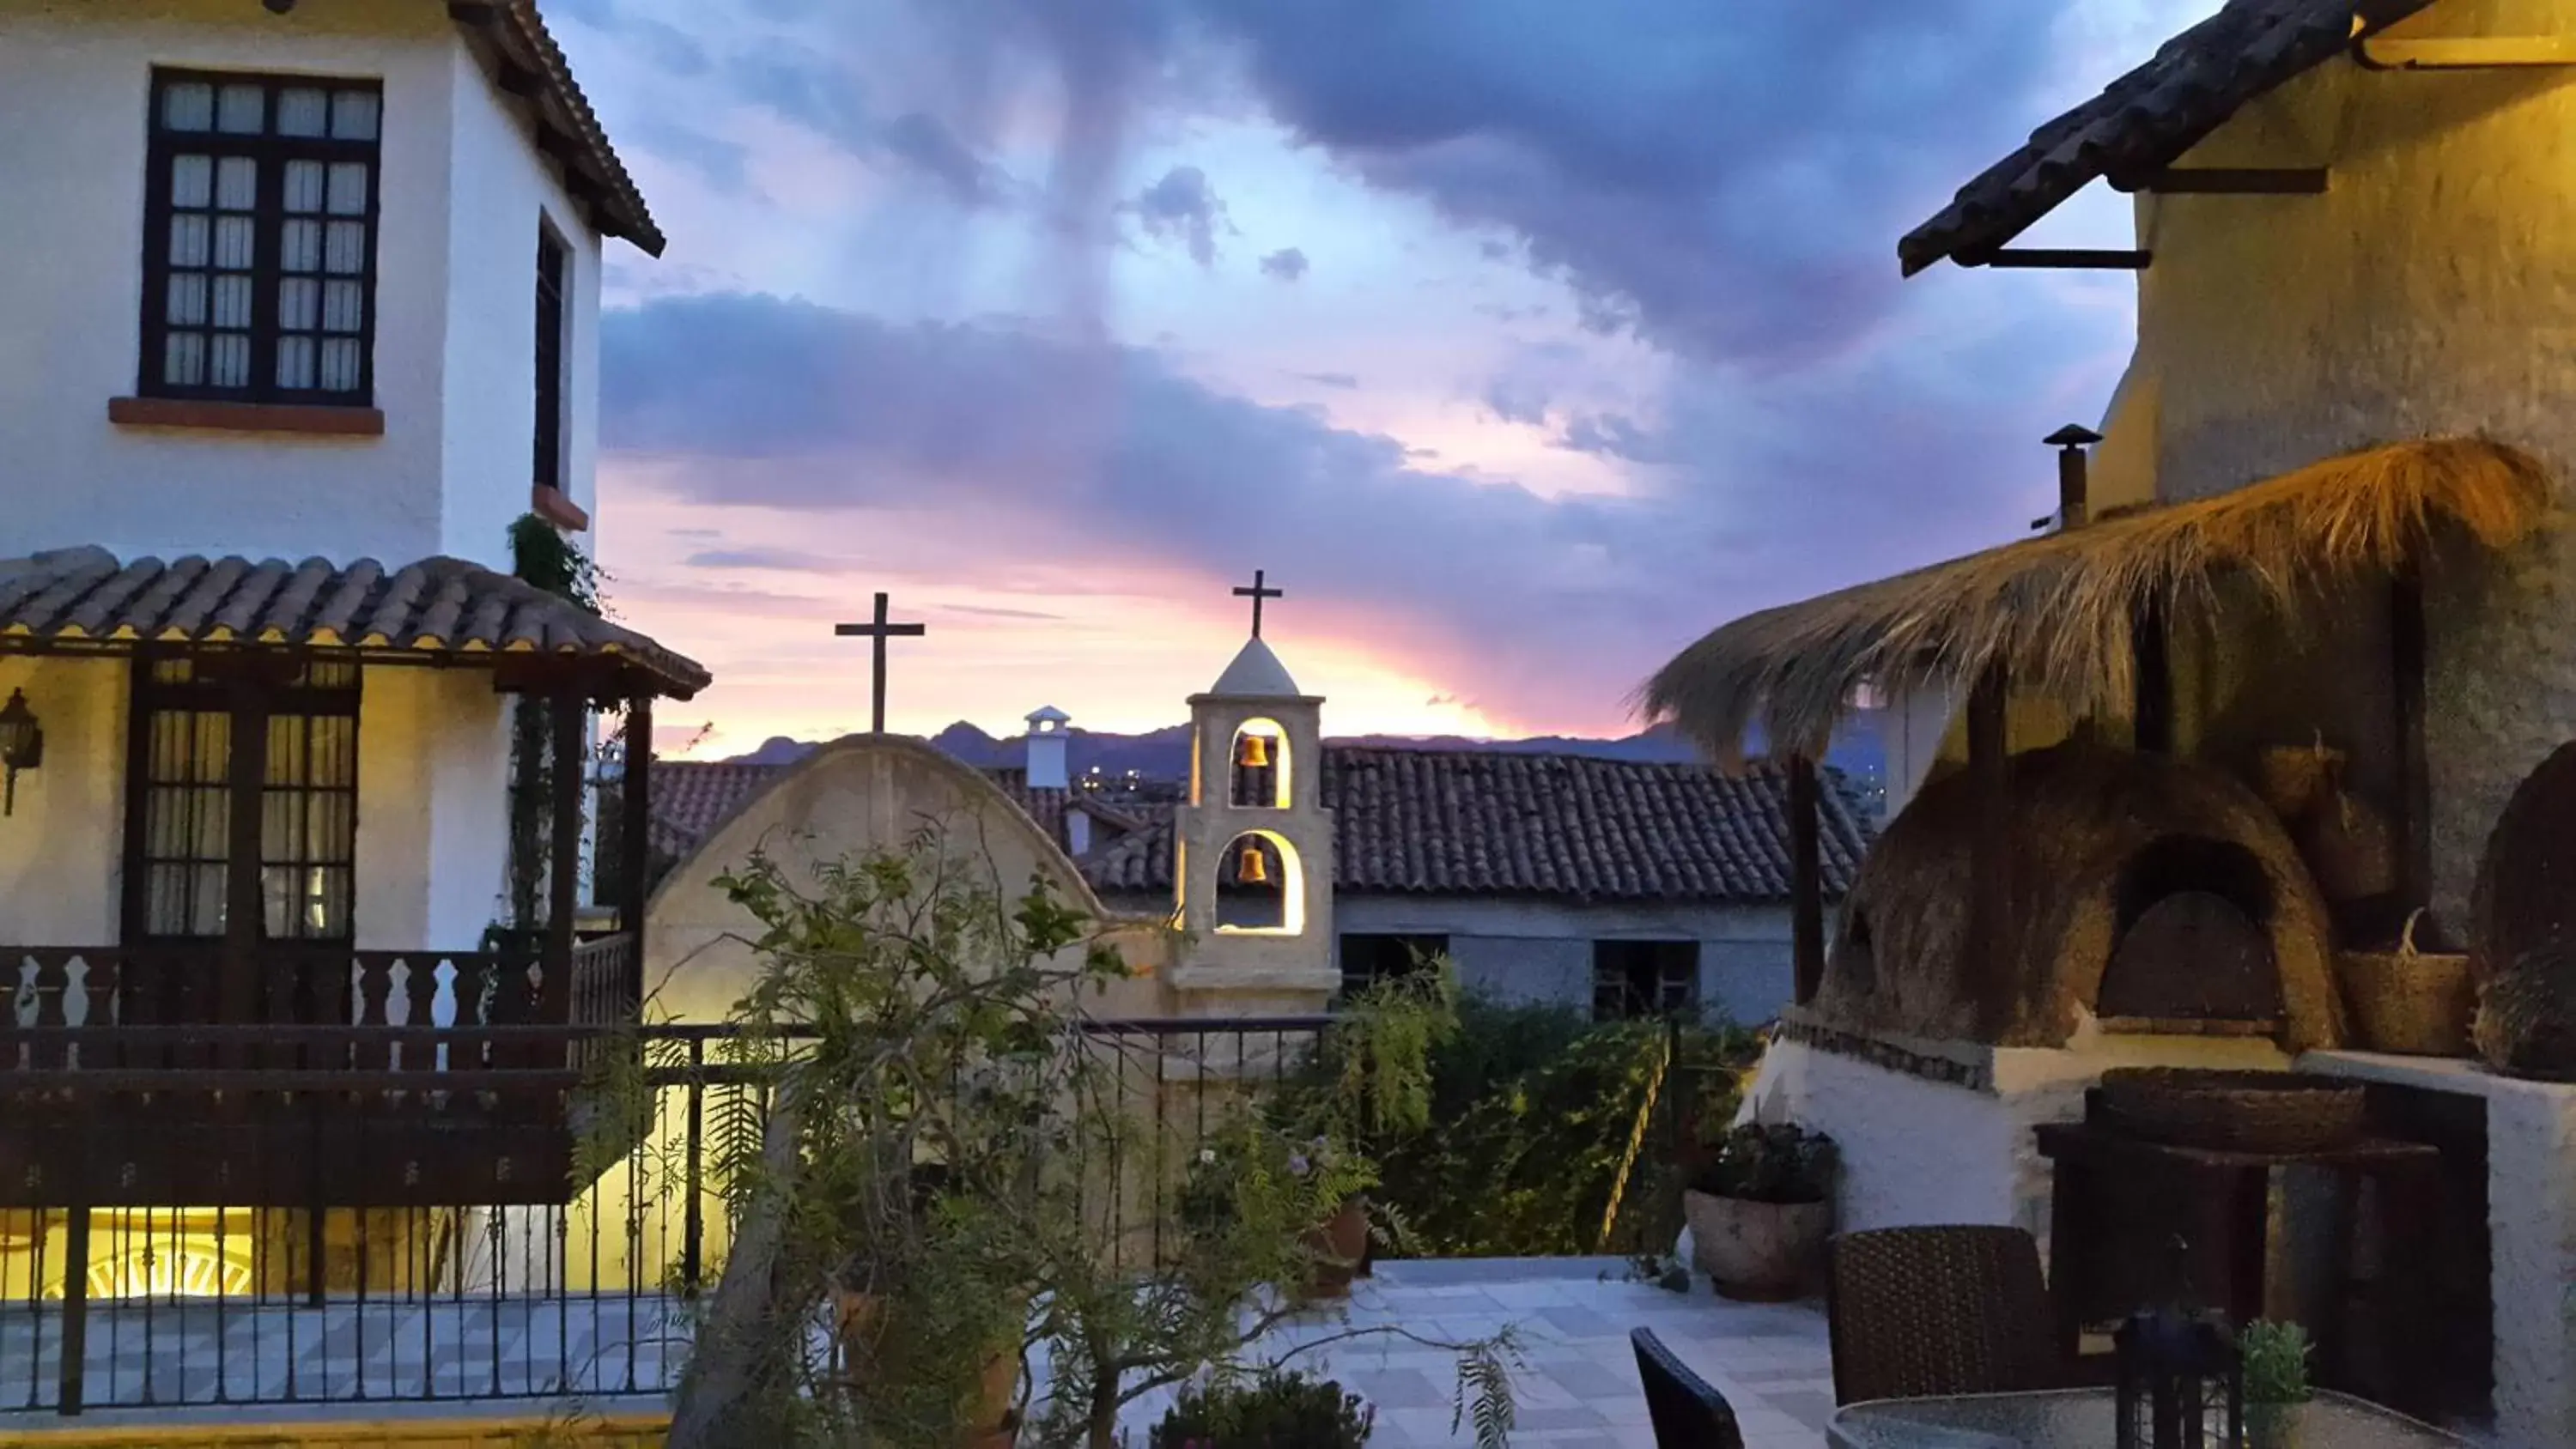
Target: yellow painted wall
x=2431, y=290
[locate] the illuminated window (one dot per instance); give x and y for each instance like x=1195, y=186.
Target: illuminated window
x=1258, y=766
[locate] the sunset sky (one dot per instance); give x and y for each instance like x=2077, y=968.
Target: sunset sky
x=1521, y=341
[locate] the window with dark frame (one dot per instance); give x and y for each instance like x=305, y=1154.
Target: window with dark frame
x=554, y=259
x=1367, y=959
x=1644, y=978
x=259, y=253
x=308, y=803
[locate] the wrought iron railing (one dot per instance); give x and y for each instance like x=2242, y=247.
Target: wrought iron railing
x=334, y=1261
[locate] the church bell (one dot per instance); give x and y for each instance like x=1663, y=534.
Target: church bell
x=1252, y=867
x=1255, y=754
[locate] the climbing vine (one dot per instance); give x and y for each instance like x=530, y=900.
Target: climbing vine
x=541, y=556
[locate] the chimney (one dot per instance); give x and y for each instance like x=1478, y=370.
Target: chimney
x=2074, y=507
x=1045, y=763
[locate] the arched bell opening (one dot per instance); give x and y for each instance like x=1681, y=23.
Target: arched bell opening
x=1257, y=766
x=1260, y=885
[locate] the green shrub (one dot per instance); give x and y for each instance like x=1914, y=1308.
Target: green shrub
x=1779, y=1163
x=1533, y=1107
x=1277, y=1410
x=2276, y=1362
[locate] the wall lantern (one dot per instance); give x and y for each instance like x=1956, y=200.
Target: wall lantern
x=22, y=747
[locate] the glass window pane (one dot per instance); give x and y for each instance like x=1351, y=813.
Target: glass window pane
x=192, y=180
x=188, y=106
x=335, y=752
x=183, y=359
x=210, y=823
x=344, y=250
x=242, y=109
x=229, y=364
x=353, y=115
x=298, y=303
x=303, y=111
x=281, y=826
x=299, y=246
x=212, y=750
x=303, y=186
x=206, y=906
x=343, y=306
x=327, y=826
x=285, y=763
x=295, y=362
x=348, y=188
x=187, y=306
x=233, y=243
x=232, y=301
x=340, y=364
x=237, y=183
x=188, y=234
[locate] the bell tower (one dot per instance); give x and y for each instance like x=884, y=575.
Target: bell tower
x=1255, y=843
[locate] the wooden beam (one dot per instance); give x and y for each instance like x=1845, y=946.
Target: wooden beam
x=1990, y=969
x=516, y=79
x=2501, y=52
x=2230, y=181
x=563, y=855
x=473, y=12
x=2414, y=775
x=2061, y=259
x=2150, y=646
x=1806, y=881
x=635, y=821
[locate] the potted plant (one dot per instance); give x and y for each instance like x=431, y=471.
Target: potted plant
x=1370, y=1077
x=2275, y=1358
x=1759, y=1215
x=1276, y=1410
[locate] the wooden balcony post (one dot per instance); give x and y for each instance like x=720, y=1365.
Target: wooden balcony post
x=570, y=713
x=635, y=820
x=1806, y=881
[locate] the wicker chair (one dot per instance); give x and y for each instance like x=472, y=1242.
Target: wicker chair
x=1688, y=1413
x=1949, y=1310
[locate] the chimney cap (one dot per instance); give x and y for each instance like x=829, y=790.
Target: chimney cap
x=1047, y=717
x=2073, y=435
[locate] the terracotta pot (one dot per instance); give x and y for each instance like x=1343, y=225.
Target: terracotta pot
x=854, y=1318
x=2276, y=1426
x=1759, y=1251
x=1340, y=1245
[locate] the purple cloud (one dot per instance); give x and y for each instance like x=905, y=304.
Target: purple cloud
x=1183, y=205
x=1287, y=264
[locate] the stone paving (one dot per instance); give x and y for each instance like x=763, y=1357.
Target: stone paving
x=1571, y=1317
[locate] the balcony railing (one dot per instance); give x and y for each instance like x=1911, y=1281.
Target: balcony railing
x=291, y=1284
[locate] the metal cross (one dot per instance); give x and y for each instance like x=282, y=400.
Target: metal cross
x=879, y=631
x=1256, y=594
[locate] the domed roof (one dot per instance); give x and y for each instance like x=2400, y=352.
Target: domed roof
x=1256, y=673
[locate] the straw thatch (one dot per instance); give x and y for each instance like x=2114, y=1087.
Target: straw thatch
x=2085, y=820
x=2056, y=611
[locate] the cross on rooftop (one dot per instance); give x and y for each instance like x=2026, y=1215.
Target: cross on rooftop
x=879, y=631
x=1256, y=594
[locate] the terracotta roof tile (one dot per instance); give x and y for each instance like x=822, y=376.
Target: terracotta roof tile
x=2146, y=119
x=439, y=606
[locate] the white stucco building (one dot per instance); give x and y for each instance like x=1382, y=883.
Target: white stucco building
x=301, y=308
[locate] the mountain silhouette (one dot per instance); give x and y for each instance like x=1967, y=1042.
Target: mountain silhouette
x=1164, y=754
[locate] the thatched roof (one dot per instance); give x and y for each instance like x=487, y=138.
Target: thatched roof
x=2055, y=611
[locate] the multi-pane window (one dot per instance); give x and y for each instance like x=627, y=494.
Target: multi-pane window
x=307, y=729
x=553, y=259
x=1644, y=978
x=259, y=238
